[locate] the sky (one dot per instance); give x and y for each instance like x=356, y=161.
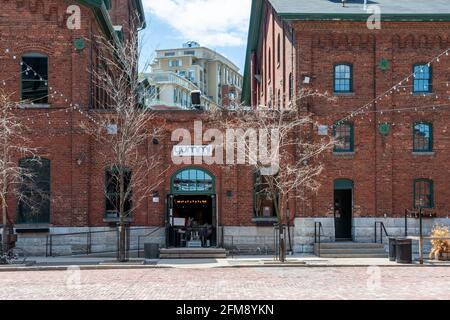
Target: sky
x=221, y=25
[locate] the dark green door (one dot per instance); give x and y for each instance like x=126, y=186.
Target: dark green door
x=343, y=207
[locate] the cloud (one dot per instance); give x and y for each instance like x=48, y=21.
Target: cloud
x=215, y=23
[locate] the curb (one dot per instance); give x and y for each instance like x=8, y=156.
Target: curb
x=238, y=266
x=81, y=267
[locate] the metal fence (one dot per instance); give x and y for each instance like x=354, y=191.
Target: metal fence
x=250, y=245
x=99, y=242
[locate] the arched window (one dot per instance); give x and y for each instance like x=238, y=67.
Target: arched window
x=344, y=136
x=423, y=193
x=34, y=78
x=343, y=78
x=34, y=203
x=193, y=180
x=422, y=78
x=423, y=137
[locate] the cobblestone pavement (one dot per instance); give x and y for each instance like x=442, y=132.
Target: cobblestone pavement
x=231, y=283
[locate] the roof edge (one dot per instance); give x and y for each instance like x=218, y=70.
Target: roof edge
x=141, y=13
x=363, y=16
x=252, y=44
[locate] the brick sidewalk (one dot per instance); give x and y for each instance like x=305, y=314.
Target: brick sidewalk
x=244, y=283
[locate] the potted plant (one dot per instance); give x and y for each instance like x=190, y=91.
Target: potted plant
x=440, y=249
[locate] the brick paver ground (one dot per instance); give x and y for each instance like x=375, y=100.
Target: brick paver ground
x=247, y=283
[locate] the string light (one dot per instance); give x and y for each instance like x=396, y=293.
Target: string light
x=364, y=108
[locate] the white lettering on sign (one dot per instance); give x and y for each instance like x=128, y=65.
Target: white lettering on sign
x=192, y=151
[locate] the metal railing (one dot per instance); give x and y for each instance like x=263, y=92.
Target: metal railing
x=85, y=243
x=150, y=234
x=382, y=230
x=251, y=245
x=318, y=235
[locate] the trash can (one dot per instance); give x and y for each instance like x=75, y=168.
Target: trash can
x=403, y=248
x=392, y=247
x=151, y=250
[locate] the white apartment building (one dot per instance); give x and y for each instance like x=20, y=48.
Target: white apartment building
x=175, y=73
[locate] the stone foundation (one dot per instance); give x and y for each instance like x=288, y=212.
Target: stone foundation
x=363, y=230
x=66, y=241
x=250, y=240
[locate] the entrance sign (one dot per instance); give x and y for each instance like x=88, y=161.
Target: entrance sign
x=193, y=151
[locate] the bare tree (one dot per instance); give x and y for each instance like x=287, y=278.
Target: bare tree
x=14, y=144
x=289, y=167
x=124, y=130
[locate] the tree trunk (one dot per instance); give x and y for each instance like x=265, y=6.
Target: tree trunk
x=4, y=215
x=122, y=242
x=122, y=230
x=4, y=230
x=282, y=242
x=289, y=233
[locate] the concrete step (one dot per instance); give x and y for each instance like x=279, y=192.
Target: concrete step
x=190, y=256
x=350, y=256
x=351, y=250
x=350, y=245
x=193, y=253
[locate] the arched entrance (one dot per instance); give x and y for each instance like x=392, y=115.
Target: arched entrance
x=343, y=209
x=192, y=209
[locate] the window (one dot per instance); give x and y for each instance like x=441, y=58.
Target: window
x=169, y=54
x=279, y=49
x=423, y=193
x=175, y=96
x=343, y=134
x=193, y=180
x=175, y=63
x=219, y=75
x=189, y=53
x=343, y=78
x=112, y=188
x=263, y=204
x=422, y=78
x=191, y=75
x=279, y=99
x=291, y=86
x=270, y=65
x=34, y=204
x=35, y=78
x=423, y=137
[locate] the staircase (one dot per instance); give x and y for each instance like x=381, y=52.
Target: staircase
x=193, y=253
x=350, y=250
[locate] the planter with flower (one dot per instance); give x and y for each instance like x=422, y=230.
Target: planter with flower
x=440, y=247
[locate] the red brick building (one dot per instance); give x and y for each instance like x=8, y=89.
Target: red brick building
x=48, y=66
x=395, y=154
x=376, y=173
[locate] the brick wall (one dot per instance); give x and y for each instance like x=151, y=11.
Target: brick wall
x=383, y=168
